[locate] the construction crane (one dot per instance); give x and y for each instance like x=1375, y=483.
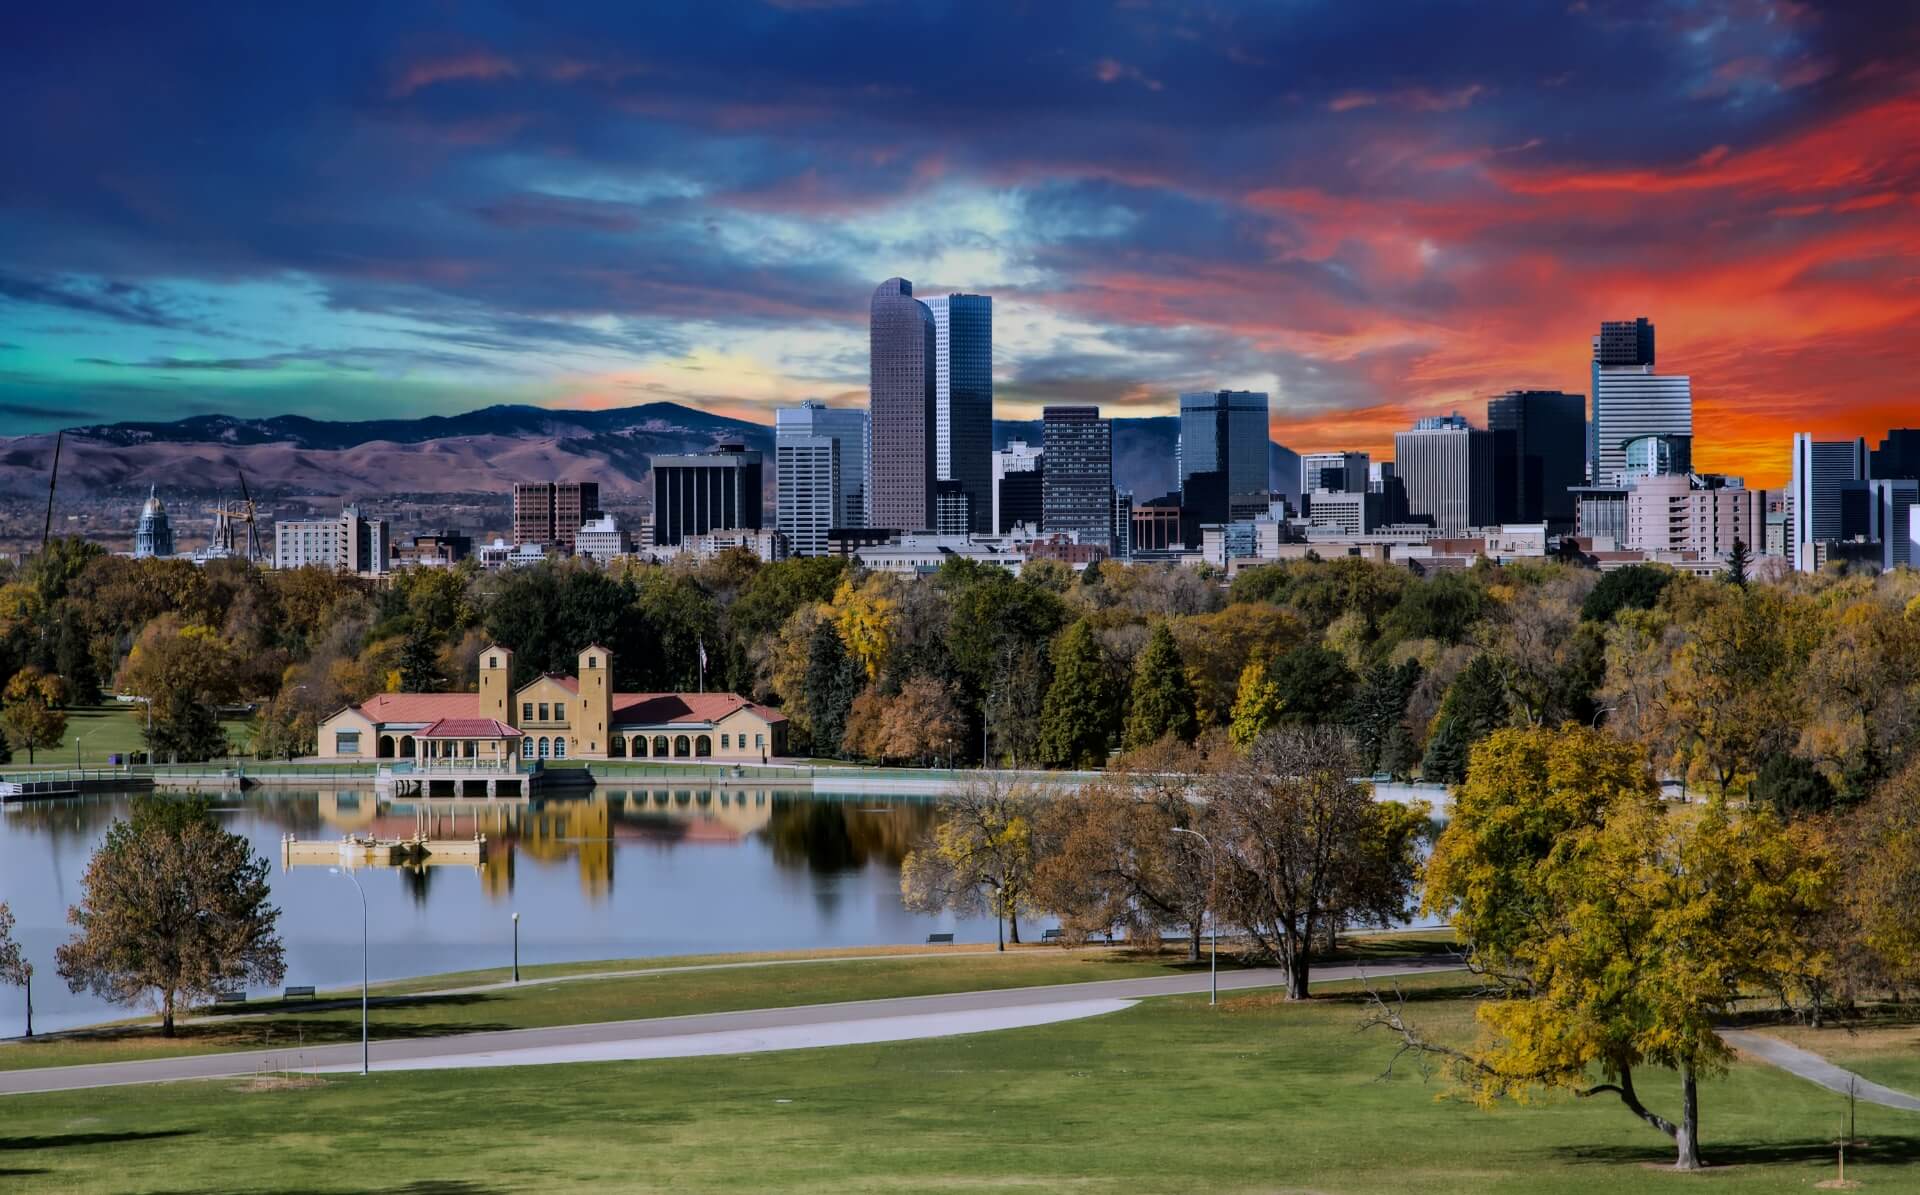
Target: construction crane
x=46, y=532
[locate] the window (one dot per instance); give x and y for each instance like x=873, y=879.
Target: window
x=560, y=748
x=543, y=748
x=543, y=711
x=526, y=748
x=725, y=742
x=759, y=740
x=593, y=661
x=493, y=661
x=346, y=742
x=559, y=711
x=526, y=711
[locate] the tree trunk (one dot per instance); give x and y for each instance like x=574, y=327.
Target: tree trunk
x=1193, y=944
x=166, y=1017
x=1013, y=926
x=1687, y=1139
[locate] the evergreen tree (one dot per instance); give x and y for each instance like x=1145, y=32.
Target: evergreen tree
x=834, y=678
x=1314, y=683
x=1161, y=702
x=185, y=730
x=1256, y=706
x=6, y=748
x=1475, y=705
x=1379, y=707
x=1738, y=561
x=73, y=660
x=1078, y=719
x=419, y=667
x=1793, y=786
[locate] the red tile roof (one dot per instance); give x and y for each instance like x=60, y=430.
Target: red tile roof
x=570, y=683
x=468, y=728
x=420, y=707
x=664, y=709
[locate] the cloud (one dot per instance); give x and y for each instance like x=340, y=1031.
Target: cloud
x=480, y=66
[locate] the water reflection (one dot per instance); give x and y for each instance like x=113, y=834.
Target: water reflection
x=621, y=872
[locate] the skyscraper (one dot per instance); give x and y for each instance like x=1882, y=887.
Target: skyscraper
x=963, y=397
x=1225, y=432
x=1822, y=470
x=1890, y=506
x=1539, y=447
x=1629, y=399
x=1447, y=467
x=1898, y=457
x=902, y=355
x=807, y=489
x=848, y=428
x=153, y=534
x=699, y=492
x=1341, y=472
x=550, y=512
x=1077, y=486
x=1016, y=486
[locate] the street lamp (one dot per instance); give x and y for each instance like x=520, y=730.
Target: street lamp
x=1213, y=923
x=26, y=976
x=516, y=948
x=364, y=1050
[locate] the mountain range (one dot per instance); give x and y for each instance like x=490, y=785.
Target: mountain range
x=480, y=451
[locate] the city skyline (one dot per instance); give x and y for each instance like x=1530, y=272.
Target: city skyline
x=601, y=209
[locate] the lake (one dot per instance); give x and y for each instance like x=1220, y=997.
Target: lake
x=626, y=872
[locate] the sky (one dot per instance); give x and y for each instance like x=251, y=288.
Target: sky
x=1371, y=211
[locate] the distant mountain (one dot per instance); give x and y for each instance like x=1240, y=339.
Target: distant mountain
x=481, y=451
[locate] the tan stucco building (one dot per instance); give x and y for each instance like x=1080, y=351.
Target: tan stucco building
x=556, y=717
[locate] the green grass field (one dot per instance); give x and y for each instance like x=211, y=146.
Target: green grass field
x=1885, y=1052
x=401, y=1012
x=103, y=730
x=1169, y=1096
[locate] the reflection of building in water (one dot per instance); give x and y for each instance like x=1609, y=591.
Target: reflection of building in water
x=698, y=814
x=557, y=829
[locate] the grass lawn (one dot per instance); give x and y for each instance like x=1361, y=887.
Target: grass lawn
x=1169, y=1096
x=102, y=730
x=533, y=1004
x=1887, y=1053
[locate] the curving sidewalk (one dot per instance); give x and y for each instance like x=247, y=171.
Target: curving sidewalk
x=1814, y=1069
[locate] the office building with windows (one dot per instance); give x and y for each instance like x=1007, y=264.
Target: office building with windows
x=1446, y=465
x=1629, y=399
x=1077, y=483
x=1224, y=432
x=694, y=493
x=1890, y=505
x=903, y=354
x=1539, y=447
x=1340, y=472
x=350, y=543
x=851, y=431
x=1822, y=471
x=1016, y=486
x=819, y=470
x=550, y=512
x=963, y=398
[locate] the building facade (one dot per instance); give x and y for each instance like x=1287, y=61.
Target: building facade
x=562, y=717
x=1224, y=432
x=1822, y=469
x=696, y=492
x=601, y=539
x=1020, y=501
x=550, y=512
x=1540, y=442
x=1446, y=466
x=153, y=534
x=349, y=543
x=902, y=357
x=1341, y=472
x=1629, y=399
x=963, y=399
x=851, y=432
x=807, y=491
x=1620, y=344
x=1686, y=513
x=1890, y=505
x=1077, y=485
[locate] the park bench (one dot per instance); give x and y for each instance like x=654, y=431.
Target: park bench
x=939, y=939
x=231, y=995
x=302, y=992
x=1052, y=935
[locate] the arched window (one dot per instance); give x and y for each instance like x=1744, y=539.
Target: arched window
x=406, y=746
x=617, y=746
x=545, y=746
x=526, y=748
x=660, y=746
x=385, y=748
x=560, y=747
x=681, y=747
x=703, y=746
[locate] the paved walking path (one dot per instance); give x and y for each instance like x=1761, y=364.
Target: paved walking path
x=1815, y=1069
x=701, y=1033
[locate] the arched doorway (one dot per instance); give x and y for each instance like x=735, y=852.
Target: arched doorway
x=660, y=746
x=406, y=746
x=617, y=746
x=703, y=746
x=681, y=748
x=384, y=749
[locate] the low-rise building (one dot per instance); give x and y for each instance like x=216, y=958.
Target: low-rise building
x=601, y=539
x=349, y=543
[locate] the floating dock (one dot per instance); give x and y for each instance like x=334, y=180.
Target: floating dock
x=355, y=851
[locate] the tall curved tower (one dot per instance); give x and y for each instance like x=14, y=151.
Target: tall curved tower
x=153, y=534
x=901, y=397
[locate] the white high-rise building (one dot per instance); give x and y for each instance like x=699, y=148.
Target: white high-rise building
x=1632, y=401
x=1353, y=468
x=1017, y=457
x=1447, y=467
x=845, y=500
x=1890, y=506
x=350, y=543
x=1821, y=469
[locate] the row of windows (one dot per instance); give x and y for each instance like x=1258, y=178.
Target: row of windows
x=559, y=709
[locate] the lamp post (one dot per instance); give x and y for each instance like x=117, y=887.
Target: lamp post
x=27, y=979
x=516, y=948
x=1213, y=923
x=364, y=1048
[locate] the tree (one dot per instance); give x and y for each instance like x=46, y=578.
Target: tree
x=1218, y=646
x=30, y=710
x=1792, y=786
x=1161, y=701
x=981, y=858
x=1379, y=717
x=865, y=615
x=918, y=723
x=1635, y=587
x=15, y=970
x=1315, y=685
x=1883, y=890
x=1475, y=704
x=1083, y=702
x=1621, y=934
x=419, y=670
x=185, y=672
x=1738, y=562
x=173, y=909
x=1256, y=707
x=1737, y=691
x=1304, y=849
x=1016, y=703
x=834, y=678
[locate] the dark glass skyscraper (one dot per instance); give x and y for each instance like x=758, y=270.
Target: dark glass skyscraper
x=1225, y=432
x=963, y=399
x=902, y=356
x=698, y=492
x=1077, y=486
x=1539, y=452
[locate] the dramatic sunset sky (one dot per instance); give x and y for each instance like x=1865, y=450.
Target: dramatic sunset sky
x=1370, y=210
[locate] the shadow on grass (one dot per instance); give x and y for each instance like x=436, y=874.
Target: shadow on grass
x=1881, y=1148
x=70, y=1139
x=279, y=1029
x=277, y=1008
x=443, y=1186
